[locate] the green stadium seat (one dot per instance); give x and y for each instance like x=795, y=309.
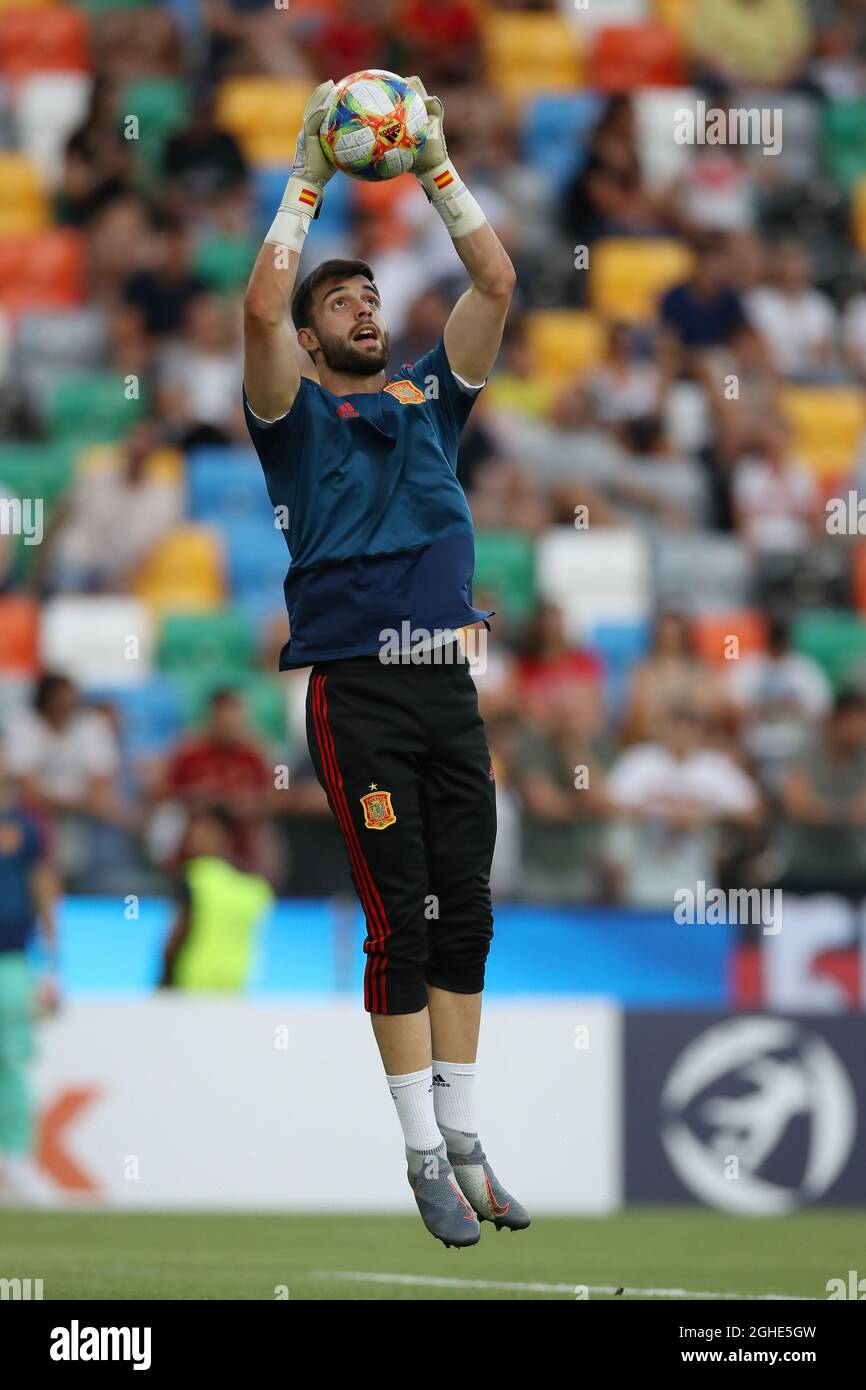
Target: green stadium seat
x=845, y=141
x=93, y=408
x=265, y=697
x=505, y=568
x=161, y=105
x=223, y=641
x=224, y=263
x=34, y=471
x=836, y=640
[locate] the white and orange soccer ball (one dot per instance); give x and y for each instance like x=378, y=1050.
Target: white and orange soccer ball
x=375, y=125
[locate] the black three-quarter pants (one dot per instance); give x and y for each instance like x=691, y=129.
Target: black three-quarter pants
x=402, y=755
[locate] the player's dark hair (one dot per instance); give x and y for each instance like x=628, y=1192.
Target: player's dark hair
x=302, y=299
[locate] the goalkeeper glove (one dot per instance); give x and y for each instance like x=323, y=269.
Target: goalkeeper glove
x=311, y=170
x=438, y=177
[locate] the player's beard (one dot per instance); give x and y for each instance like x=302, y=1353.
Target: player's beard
x=341, y=355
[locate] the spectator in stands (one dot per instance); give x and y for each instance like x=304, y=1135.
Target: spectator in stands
x=672, y=677
x=516, y=386
x=799, y=323
x=765, y=42
x=441, y=39
x=778, y=696
x=549, y=664
x=824, y=801
x=777, y=503
x=253, y=37
x=352, y=37
x=558, y=775
x=619, y=391
x=670, y=802
x=64, y=759
x=742, y=388
x=112, y=517
x=98, y=162
x=703, y=312
x=211, y=946
x=854, y=335
x=608, y=196
x=158, y=297
x=202, y=160
x=198, y=397
x=221, y=766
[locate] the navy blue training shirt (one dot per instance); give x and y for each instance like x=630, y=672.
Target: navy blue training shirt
x=379, y=529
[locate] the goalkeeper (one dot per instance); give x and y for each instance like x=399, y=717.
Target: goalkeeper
x=363, y=467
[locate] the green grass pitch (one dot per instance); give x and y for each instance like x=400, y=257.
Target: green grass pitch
x=121, y=1255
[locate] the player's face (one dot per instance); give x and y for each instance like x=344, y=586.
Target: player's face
x=350, y=328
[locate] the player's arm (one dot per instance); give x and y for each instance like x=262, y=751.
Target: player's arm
x=474, y=331
x=271, y=372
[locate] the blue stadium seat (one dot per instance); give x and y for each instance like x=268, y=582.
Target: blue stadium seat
x=621, y=645
x=257, y=560
x=555, y=132
x=151, y=715
x=227, y=482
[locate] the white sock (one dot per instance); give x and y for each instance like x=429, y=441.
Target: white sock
x=454, y=1096
x=413, y=1097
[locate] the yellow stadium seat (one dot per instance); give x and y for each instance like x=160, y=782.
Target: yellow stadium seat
x=25, y=4
x=24, y=208
x=530, y=53
x=627, y=277
x=264, y=114
x=185, y=571
x=676, y=14
x=164, y=465
x=858, y=215
x=564, y=342
x=828, y=423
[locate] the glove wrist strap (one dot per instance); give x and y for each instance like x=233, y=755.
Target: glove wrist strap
x=301, y=202
x=452, y=200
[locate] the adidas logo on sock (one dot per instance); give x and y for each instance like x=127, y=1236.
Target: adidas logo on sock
x=440, y=1081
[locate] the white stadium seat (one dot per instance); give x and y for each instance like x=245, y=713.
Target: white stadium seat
x=88, y=638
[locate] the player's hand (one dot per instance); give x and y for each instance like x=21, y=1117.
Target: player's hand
x=311, y=163
x=435, y=151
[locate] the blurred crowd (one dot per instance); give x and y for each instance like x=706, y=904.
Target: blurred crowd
x=620, y=776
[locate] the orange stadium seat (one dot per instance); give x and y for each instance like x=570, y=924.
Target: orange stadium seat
x=627, y=57
x=564, y=342
x=828, y=424
x=24, y=4
x=712, y=633
x=264, y=114
x=676, y=14
x=24, y=208
x=628, y=276
x=54, y=39
x=530, y=53
x=19, y=635
x=184, y=572
x=42, y=272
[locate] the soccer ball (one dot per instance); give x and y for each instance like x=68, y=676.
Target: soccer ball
x=375, y=125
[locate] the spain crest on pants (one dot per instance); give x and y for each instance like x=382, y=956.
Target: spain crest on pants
x=378, y=811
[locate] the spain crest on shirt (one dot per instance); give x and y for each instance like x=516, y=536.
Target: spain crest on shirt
x=378, y=811
x=406, y=392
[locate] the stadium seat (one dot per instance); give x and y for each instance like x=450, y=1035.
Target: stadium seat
x=828, y=424
x=160, y=105
x=264, y=695
x=42, y=272
x=36, y=470
x=227, y=483
x=51, y=346
x=845, y=141
x=224, y=262
x=662, y=159
x=47, y=111
x=150, y=715
x=554, y=132
x=564, y=342
x=184, y=572
x=98, y=640
x=505, y=572
x=594, y=577
x=53, y=39
x=23, y=206
x=836, y=640
x=257, y=561
x=19, y=635
x=712, y=633
x=676, y=14
x=206, y=641
x=531, y=53
x=628, y=276
x=626, y=57
x=264, y=114
x=91, y=407
x=703, y=572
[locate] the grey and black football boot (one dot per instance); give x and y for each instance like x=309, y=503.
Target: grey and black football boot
x=479, y=1184
x=444, y=1210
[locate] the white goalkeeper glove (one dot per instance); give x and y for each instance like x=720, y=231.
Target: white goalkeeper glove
x=311, y=170
x=438, y=177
